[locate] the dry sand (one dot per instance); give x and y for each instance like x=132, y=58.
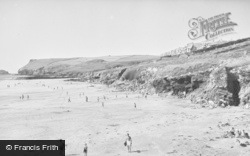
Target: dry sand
x=159, y=126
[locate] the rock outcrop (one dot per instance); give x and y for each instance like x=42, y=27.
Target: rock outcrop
x=3, y=72
x=214, y=76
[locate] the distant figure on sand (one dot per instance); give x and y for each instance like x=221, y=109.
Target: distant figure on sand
x=102, y=104
x=245, y=135
x=69, y=100
x=128, y=142
x=135, y=105
x=22, y=96
x=28, y=97
x=104, y=97
x=98, y=99
x=86, y=99
x=85, y=150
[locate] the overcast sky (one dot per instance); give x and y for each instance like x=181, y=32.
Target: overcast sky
x=35, y=29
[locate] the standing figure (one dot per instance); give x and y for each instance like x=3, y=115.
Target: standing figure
x=128, y=142
x=69, y=100
x=85, y=150
x=86, y=99
x=135, y=105
x=102, y=104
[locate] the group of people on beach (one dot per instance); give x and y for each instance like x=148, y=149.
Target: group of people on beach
x=22, y=97
x=127, y=143
x=238, y=133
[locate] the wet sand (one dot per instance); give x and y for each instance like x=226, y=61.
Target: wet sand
x=159, y=126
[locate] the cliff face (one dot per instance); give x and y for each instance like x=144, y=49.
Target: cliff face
x=218, y=75
x=75, y=67
x=3, y=72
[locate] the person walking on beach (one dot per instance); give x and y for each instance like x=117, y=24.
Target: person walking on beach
x=28, y=97
x=128, y=143
x=102, y=104
x=135, y=105
x=85, y=150
x=69, y=100
x=86, y=99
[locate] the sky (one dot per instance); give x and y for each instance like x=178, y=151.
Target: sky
x=36, y=29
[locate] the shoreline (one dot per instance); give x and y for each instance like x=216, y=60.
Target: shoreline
x=158, y=126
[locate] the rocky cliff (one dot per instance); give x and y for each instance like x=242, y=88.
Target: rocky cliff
x=214, y=76
x=3, y=72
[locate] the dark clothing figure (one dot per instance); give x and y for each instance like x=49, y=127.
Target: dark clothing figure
x=85, y=150
x=135, y=105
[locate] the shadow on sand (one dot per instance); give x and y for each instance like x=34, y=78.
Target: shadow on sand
x=139, y=151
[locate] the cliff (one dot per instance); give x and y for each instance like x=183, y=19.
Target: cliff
x=218, y=75
x=3, y=72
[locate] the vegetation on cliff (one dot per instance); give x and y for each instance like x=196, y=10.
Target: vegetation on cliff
x=208, y=76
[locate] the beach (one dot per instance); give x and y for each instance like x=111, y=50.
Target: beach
x=158, y=125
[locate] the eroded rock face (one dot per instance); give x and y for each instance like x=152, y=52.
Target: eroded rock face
x=243, y=74
x=187, y=84
x=210, y=76
x=222, y=85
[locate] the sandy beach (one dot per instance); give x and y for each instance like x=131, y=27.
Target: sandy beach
x=158, y=126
